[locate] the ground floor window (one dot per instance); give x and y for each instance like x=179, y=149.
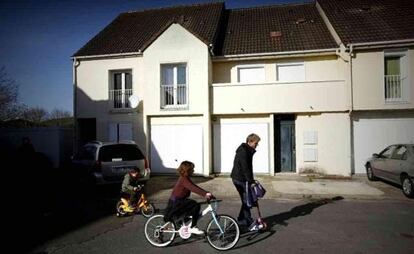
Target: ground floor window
x=120, y=131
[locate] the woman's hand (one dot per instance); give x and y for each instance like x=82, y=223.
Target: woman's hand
x=209, y=196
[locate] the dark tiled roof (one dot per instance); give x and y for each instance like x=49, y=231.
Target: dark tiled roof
x=275, y=28
x=134, y=31
x=358, y=21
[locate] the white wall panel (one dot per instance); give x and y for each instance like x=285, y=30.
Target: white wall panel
x=371, y=135
x=229, y=136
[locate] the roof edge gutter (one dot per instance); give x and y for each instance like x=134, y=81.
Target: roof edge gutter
x=129, y=54
x=330, y=51
x=381, y=44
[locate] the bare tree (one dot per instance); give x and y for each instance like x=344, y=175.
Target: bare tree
x=35, y=114
x=13, y=111
x=59, y=114
x=8, y=94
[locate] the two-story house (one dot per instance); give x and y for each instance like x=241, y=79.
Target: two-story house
x=298, y=75
x=378, y=36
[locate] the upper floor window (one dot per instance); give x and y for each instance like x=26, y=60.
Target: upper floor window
x=395, y=76
x=120, y=88
x=250, y=74
x=290, y=72
x=174, y=87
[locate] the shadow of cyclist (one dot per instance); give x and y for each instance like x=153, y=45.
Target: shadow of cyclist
x=282, y=219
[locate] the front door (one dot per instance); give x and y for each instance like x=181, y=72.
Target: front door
x=285, y=153
x=287, y=146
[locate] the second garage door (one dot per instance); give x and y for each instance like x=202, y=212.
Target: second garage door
x=372, y=133
x=229, y=136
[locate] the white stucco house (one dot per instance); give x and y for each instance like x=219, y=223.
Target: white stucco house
x=324, y=84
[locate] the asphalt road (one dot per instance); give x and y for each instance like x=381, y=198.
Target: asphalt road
x=295, y=226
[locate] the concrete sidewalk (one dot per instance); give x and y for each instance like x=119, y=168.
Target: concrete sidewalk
x=281, y=187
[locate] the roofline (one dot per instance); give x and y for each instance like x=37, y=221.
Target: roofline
x=382, y=44
x=221, y=2
x=129, y=54
x=328, y=23
x=305, y=2
x=330, y=51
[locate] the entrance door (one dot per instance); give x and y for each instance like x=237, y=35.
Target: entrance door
x=287, y=146
x=86, y=130
x=285, y=152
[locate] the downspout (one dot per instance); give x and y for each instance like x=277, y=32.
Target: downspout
x=208, y=135
x=75, y=64
x=351, y=107
x=346, y=53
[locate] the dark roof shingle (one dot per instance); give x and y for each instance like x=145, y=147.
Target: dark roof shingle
x=361, y=21
x=134, y=31
x=277, y=28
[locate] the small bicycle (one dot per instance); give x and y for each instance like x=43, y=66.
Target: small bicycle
x=222, y=231
x=143, y=205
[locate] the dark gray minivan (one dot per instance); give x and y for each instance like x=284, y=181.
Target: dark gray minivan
x=108, y=162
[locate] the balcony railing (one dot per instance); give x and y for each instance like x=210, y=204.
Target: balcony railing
x=173, y=97
x=119, y=98
x=393, y=89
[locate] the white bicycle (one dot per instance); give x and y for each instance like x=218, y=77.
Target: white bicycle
x=222, y=231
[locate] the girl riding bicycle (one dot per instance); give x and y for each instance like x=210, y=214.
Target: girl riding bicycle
x=179, y=203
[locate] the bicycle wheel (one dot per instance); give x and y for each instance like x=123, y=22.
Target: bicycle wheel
x=158, y=232
x=148, y=210
x=224, y=234
x=120, y=209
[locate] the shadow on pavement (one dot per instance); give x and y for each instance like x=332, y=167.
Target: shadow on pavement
x=59, y=203
x=282, y=219
x=301, y=210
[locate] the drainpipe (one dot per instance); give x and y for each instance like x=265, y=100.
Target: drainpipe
x=75, y=64
x=346, y=53
x=208, y=136
x=351, y=108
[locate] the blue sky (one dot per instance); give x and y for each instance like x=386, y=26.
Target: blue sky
x=38, y=37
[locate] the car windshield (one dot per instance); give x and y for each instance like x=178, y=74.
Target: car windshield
x=120, y=151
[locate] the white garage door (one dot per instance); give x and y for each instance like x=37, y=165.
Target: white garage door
x=373, y=135
x=172, y=144
x=229, y=136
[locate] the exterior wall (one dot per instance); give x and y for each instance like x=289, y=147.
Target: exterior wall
x=177, y=45
x=368, y=81
x=317, y=68
x=332, y=144
x=324, y=88
x=93, y=81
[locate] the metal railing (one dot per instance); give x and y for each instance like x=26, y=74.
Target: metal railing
x=119, y=98
x=393, y=87
x=173, y=96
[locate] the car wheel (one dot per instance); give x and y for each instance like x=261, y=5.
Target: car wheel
x=407, y=186
x=370, y=173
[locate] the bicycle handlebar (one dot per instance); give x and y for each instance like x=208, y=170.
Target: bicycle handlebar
x=208, y=201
